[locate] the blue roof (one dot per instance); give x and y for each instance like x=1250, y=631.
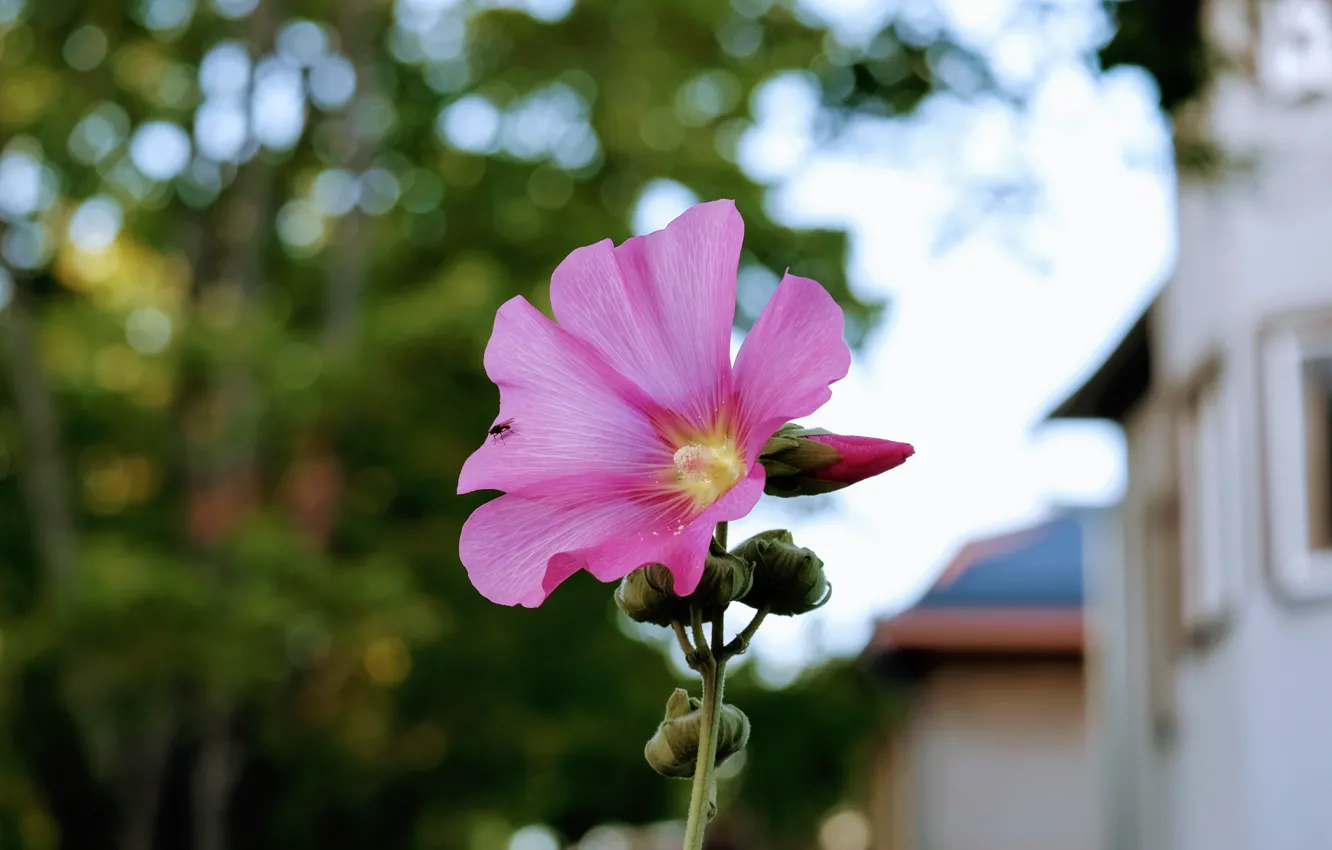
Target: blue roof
x=1041, y=567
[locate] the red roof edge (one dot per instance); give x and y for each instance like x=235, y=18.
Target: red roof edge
x=972, y=630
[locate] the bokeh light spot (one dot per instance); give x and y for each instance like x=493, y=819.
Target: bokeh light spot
x=278, y=107
x=10, y=11
x=220, y=130
x=302, y=42
x=535, y=837
x=20, y=184
x=27, y=245
x=607, y=837
x=225, y=70
x=98, y=134
x=117, y=368
x=548, y=11
x=302, y=228
x=165, y=15
x=379, y=191
x=387, y=661
x=336, y=191
x=148, y=330
x=234, y=10
x=846, y=829
x=95, y=224
x=332, y=82
x=659, y=203
x=449, y=76
x=706, y=97
x=470, y=123
x=85, y=48
x=160, y=150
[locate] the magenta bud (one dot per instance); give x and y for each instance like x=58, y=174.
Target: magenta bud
x=811, y=461
x=862, y=457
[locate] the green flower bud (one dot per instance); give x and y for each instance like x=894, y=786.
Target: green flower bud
x=673, y=750
x=647, y=595
x=788, y=579
x=646, y=601
x=789, y=458
x=726, y=578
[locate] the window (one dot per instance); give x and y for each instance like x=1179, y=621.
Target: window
x=1295, y=55
x=1161, y=600
x=1297, y=372
x=1317, y=387
x=1211, y=549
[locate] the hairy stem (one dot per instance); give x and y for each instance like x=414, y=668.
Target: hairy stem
x=702, y=801
x=685, y=646
x=741, y=641
x=701, y=652
x=718, y=648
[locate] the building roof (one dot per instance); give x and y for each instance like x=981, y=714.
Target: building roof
x=1034, y=568
x=1120, y=381
x=1016, y=593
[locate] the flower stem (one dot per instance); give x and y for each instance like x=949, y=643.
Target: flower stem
x=741, y=642
x=718, y=653
x=690, y=656
x=711, y=666
x=702, y=798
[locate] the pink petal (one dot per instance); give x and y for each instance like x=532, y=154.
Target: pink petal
x=862, y=457
x=682, y=548
x=659, y=307
x=517, y=549
x=789, y=360
x=569, y=414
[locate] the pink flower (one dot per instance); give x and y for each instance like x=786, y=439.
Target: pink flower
x=862, y=457
x=629, y=432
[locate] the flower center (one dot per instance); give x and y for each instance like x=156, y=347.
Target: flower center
x=705, y=472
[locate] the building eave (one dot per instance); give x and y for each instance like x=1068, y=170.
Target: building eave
x=1119, y=383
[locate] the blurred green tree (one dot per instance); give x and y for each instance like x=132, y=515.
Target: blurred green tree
x=251, y=251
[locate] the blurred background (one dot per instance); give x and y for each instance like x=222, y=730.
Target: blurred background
x=250, y=256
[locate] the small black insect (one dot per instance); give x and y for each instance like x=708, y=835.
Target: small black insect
x=501, y=430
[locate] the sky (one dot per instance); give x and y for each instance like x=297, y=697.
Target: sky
x=984, y=336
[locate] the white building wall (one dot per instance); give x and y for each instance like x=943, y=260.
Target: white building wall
x=1255, y=741
x=1249, y=764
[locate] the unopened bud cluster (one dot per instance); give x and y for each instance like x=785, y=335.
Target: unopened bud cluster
x=673, y=750
x=647, y=595
x=767, y=572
